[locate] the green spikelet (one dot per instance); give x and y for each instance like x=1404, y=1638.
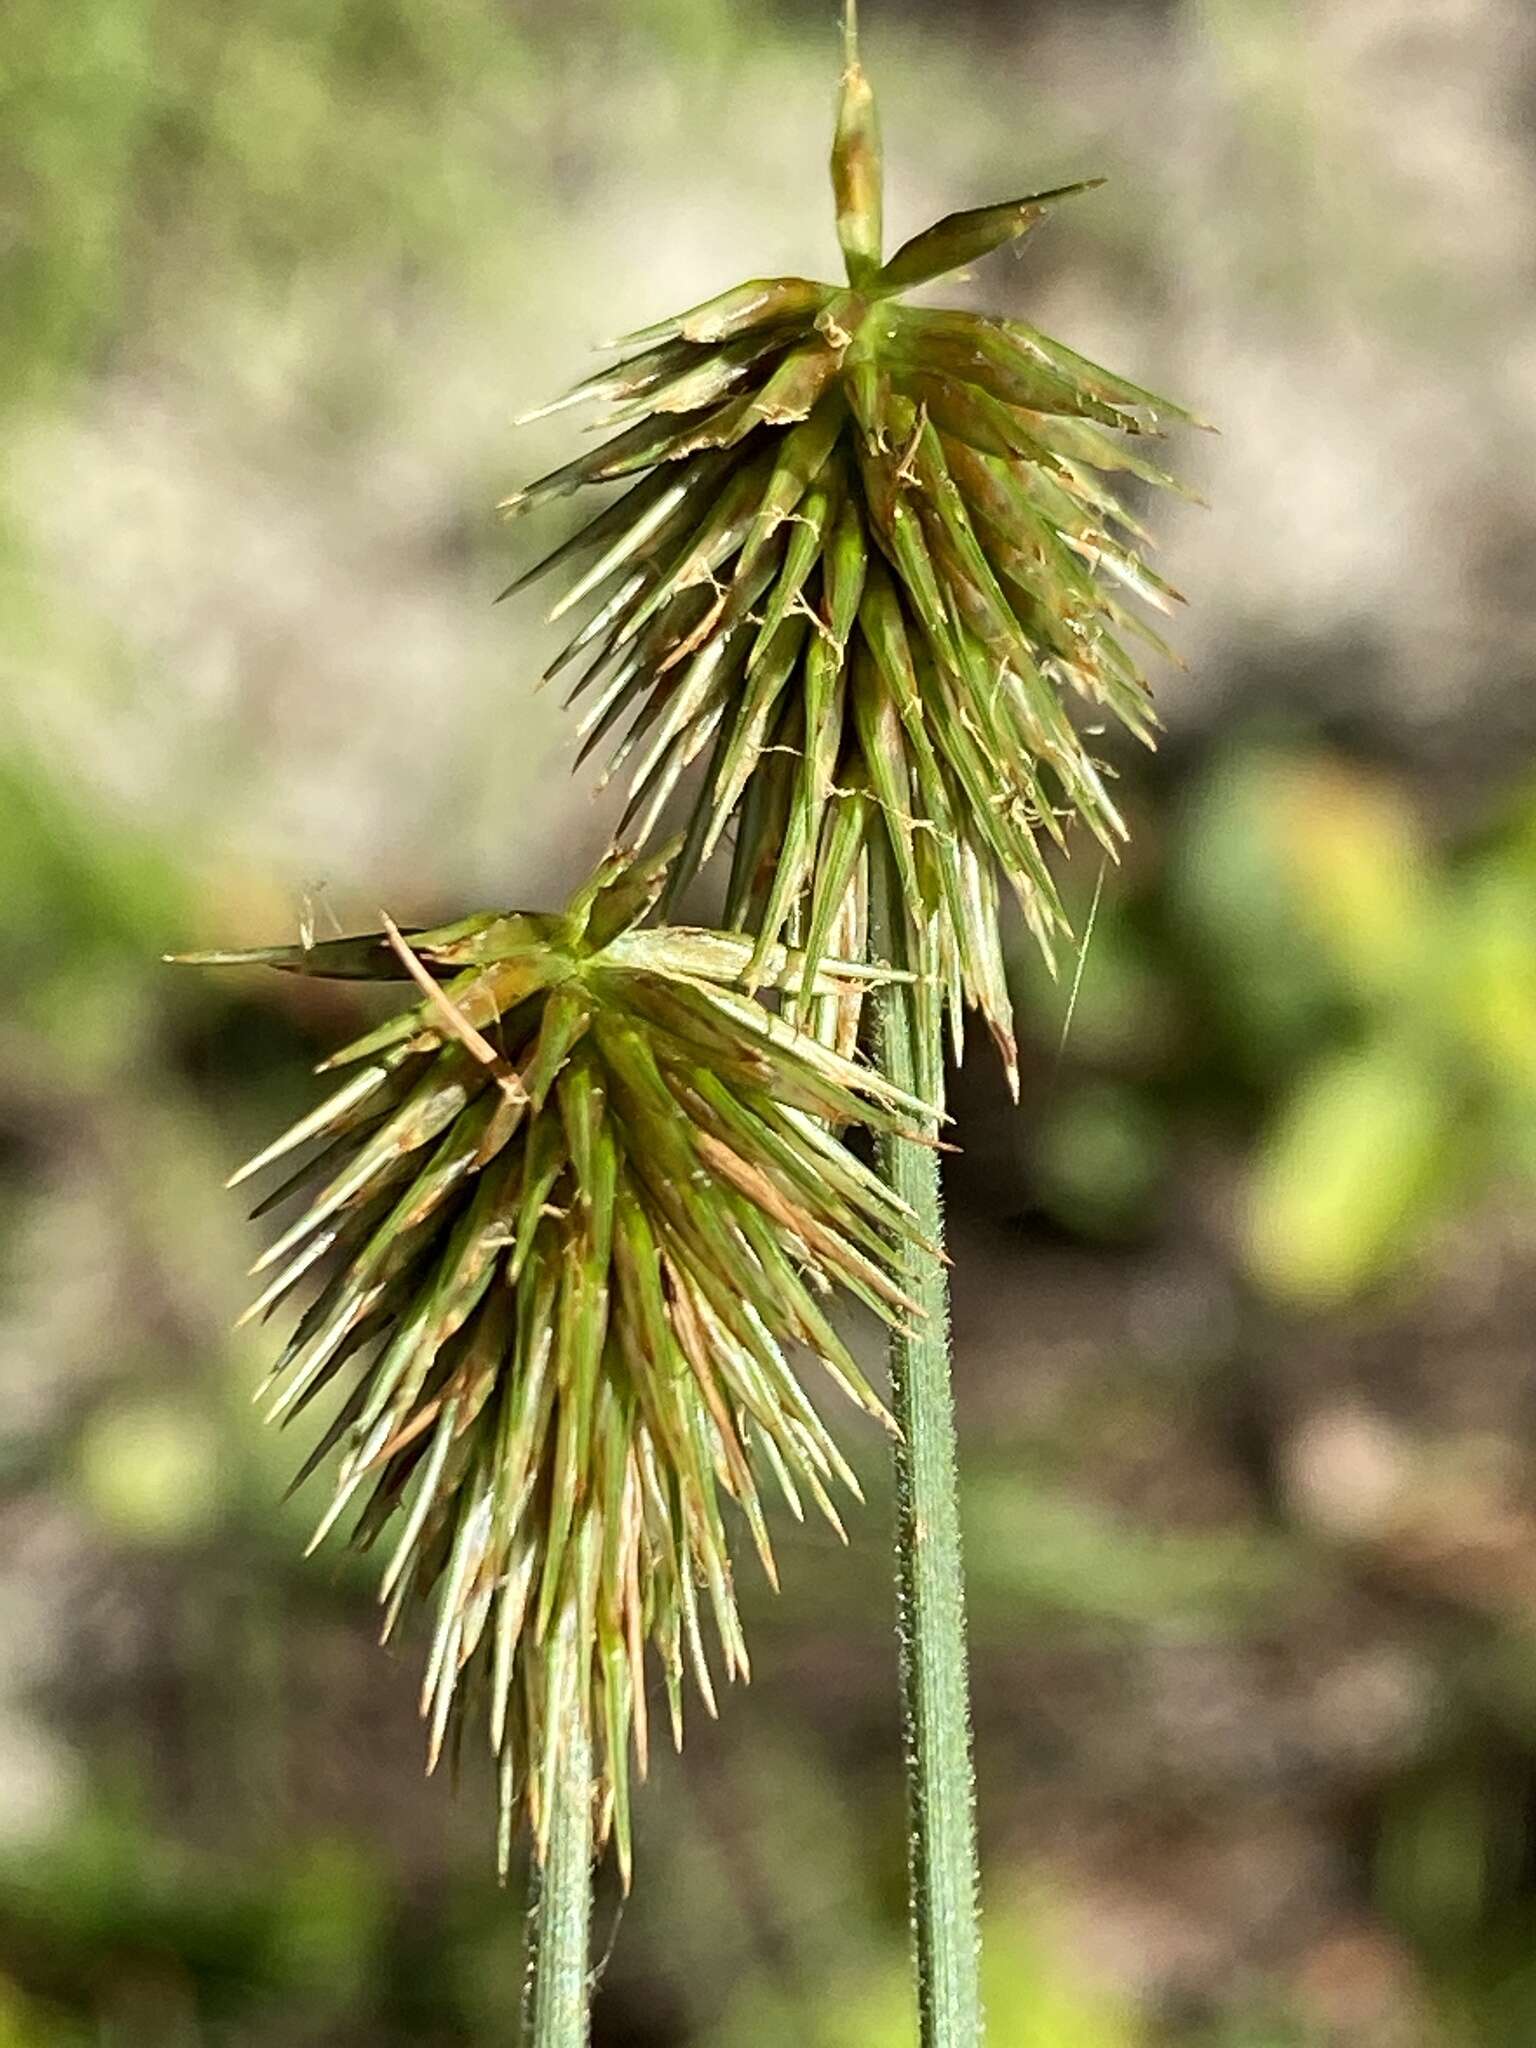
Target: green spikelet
x=573, y=1216
x=866, y=559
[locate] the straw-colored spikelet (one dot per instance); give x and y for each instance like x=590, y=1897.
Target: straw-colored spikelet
x=574, y=1215
x=866, y=557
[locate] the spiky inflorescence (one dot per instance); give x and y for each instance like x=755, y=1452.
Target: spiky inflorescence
x=863, y=569
x=574, y=1211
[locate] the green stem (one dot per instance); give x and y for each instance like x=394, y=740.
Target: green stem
x=562, y=1906
x=942, y=1863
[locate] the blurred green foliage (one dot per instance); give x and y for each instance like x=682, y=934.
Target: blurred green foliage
x=1367, y=996
x=151, y=139
x=1423, y=963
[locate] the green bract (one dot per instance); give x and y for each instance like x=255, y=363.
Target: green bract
x=864, y=557
x=573, y=1214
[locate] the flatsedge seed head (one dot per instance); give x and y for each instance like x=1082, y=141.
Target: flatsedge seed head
x=573, y=1217
x=877, y=563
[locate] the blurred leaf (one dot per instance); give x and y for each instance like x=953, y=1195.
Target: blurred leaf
x=79, y=881
x=328, y=1922
x=1490, y=972
x=1230, y=891
x=150, y=1470
x=115, y=1892
x=1354, y=855
x=1099, y=1156
x=25, y=2023
x=1431, y=1857
x=1348, y=1173
x=1038, y=1542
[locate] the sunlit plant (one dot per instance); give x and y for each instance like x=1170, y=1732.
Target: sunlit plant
x=576, y=1213
x=867, y=562
x=573, y=1214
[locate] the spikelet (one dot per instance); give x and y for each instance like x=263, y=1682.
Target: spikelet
x=574, y=1216
x=865, y=559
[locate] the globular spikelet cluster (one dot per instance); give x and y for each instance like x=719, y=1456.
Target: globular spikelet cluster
x=865, y=559
x=573, y=1215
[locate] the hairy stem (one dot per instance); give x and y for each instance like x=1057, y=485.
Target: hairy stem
x=558, y=2010
x=942, y=1861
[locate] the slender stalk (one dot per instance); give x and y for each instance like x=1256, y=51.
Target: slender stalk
x=941, y=1812
x=560, y=1923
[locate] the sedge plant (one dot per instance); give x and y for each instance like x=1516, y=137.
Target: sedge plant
x=865, y=560
x=571, y=1221
x=570, y=1214
x=575, y=1216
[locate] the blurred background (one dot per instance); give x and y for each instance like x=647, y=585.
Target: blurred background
x=1245, y=1291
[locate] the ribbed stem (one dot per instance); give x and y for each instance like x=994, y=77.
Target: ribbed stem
x=559, y=1929
x=942, y=1865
